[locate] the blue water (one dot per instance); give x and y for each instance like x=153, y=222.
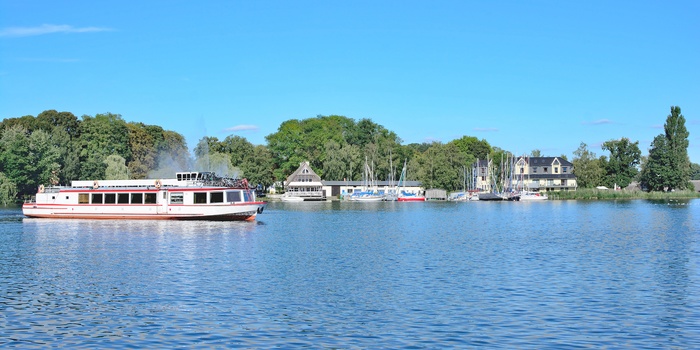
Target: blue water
x=556, y=274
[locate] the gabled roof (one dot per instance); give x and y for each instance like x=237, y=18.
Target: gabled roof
x=304, y=170
x=546, y=161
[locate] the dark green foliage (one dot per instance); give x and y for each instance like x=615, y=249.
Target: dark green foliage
x=621, y=167
x=587, y=168
x=668, y=166
x=56, y=148
x=694, y=171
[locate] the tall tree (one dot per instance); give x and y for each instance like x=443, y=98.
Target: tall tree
x=115, y=168
x=587, y=168
x=101, y=136
x=621, y=166
x=259, y=167
x=441, y=166
x=471, y=146
x=15, y=158
x=8, y=190
x=668, y=166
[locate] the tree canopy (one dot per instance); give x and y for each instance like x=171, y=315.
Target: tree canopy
x=668, y=166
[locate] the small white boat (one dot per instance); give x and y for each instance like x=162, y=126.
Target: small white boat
x=189, y=196
x=532, y=196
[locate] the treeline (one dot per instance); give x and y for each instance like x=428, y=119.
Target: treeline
x=57, y=147
x=667, y=167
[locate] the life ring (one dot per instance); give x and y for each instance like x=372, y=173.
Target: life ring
x=158, y=184
x=41, y=188
x=95, y=184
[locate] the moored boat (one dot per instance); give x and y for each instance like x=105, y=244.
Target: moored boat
x=189, y=196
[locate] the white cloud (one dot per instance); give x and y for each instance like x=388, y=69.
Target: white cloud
x=599, y=122
x=48, y=29
x=243, y=127
x=486, y=129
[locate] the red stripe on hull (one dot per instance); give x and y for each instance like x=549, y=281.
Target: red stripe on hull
x=145, y=217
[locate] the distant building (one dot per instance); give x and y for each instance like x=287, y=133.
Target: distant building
x=538, y=174
x=304, y=185
x=344, y=188
x=544, y=174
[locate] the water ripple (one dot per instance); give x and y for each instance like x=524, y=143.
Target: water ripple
x=560, y=274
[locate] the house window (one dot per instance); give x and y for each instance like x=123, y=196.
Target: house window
x=564, y=170
x=534, y=169
x=545, y=169
x=556, y=170
x=563, y=182
x=522, y=170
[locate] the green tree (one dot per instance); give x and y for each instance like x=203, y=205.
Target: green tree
x=441, y=166
x=8, y=190
x=694, y=171
x=657, y=170
x=536, y=153
x=44, y=155
x=143, y=151
x=258, y=167
x=334, y=166
x=115, y=168
x=621, y=166
x=101, y=136
x=668, y=166
x=472, y=147
x=238, y=148
x=587, y=168
x=16, y=161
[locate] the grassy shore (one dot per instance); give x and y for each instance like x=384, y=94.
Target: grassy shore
x=592, y=193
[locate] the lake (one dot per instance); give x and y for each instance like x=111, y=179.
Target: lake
x=553, y=274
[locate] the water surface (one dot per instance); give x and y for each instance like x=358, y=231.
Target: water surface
x=360, y=275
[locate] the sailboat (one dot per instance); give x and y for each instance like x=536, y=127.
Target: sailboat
x=404, y=196
x=369, y=192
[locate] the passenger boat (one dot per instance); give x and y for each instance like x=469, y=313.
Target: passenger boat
x=190, y=195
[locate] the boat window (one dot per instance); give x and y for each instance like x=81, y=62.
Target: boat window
x=176, y=198
x=123, y=198
x=83, y=198
x=233, y=196
x=246, y=196
x=110, y=198
x=200, y=197
x=137, y=198
x=97, y=198
x=150, y=198
x=179, y=177
x=216, y=197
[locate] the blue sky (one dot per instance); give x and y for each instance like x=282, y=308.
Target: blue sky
x=523, y=75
